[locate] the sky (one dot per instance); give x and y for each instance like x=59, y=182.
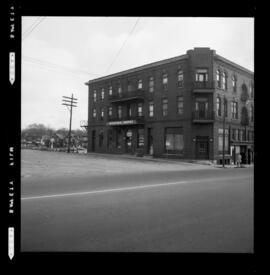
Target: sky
x=60, y=54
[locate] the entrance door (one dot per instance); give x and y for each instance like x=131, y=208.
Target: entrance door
x=150, y=141
x=93, y=140
x=202, y=148
x=128, y=141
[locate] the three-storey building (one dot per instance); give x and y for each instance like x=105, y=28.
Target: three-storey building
x=182, y=107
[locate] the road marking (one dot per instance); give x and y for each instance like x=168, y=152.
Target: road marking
x=104, y=190
x=129, y=188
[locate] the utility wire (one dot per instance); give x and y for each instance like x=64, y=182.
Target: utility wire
x=123, y=45
x=32, y=28
x=55, y=66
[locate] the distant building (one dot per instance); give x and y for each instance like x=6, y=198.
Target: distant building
x=175, y=108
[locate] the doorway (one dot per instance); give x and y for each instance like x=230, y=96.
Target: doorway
x=93, y=140
x=202, y=148
x=150, y=141
x=128, y=141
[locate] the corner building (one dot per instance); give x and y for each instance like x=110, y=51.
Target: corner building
x=178, y=107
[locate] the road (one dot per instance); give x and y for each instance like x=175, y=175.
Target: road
x=148, y=210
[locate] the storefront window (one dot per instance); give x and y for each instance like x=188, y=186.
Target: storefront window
x=141, y=138
x=220, y=140
x=174, y=140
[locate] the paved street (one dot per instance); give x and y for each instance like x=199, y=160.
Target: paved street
x=89, y=203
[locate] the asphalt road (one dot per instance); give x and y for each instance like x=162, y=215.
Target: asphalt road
x=203, y=210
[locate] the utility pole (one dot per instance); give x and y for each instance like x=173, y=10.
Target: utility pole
x=69, y=102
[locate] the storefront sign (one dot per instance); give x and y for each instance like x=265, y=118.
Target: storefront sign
x=123, y=122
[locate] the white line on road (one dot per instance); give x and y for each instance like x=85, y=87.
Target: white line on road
x=104, y=190
x=128, y=188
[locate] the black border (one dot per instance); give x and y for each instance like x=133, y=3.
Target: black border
x=191, y=261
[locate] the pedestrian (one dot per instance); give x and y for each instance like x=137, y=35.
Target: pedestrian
x=239, y=160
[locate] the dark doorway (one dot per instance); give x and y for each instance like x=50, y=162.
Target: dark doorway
x=93, y=140
x=150, y=141
x=202, y=148
x=128, y=141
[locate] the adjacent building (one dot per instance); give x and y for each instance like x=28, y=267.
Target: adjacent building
x=193, y=106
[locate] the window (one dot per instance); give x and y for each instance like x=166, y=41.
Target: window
x=218, y=106
x=129, y=111
x=110, y=111
x=101, y=113
x=180, y=78
x=174, y=140
x=218, y=76
x=119, y=90
x=119, y=111
x=180, y=105
x=201, y=75
x=95, y=96
x=110, y=90
x=220, y=140
x=139, y=84
x=224, y=81
x=151, y=108
x=251, y=87
x=165, y=81
x=151, y=84
x=251, y=113
x=165, y=107
x=234, y=83
x=129, y=87
x=140, y=106
x=233, y=134
x=236, y=134
x=100, y=139
x=225, y=107
x=140, y=138
x=241, y=134
x=102, y=93
x=94, y=114
x=234, y=109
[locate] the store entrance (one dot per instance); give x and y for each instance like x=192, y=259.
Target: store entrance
x=202, y=148
x=128, y=141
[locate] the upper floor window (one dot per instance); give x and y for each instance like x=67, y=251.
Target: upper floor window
x=151, y=84
x=251, y=113
x=139, y=84
x=201, y=75
x=244, y=94
x=224, y=81
x=165, y=81
x=110, y=111
x=129, y=86
x=234, y=83
x=218, y=77
x=119, y=111
x=164, y=106
x=225, y=106
x=110, y=90
x=151, y=108
x=180, y=105
x=119, y=90
x=251, y=87
x=218, y=106
x=102, y=93
x=101, y=113
x=180, y=78
x=140, y=109
x=94, y=114
x=234, y=109
x=95, y=96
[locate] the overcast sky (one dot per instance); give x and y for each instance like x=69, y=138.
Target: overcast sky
x=60, y=54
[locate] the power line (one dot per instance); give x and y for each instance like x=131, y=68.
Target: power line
x=123, y=44
x=55, y=66
x=32, y=29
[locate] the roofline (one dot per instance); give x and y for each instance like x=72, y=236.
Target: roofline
x=147, y=66
x=219, y=57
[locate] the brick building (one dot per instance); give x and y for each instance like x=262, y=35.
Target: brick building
x=176, y=107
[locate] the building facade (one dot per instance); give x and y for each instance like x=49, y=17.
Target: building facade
x=195, y=106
